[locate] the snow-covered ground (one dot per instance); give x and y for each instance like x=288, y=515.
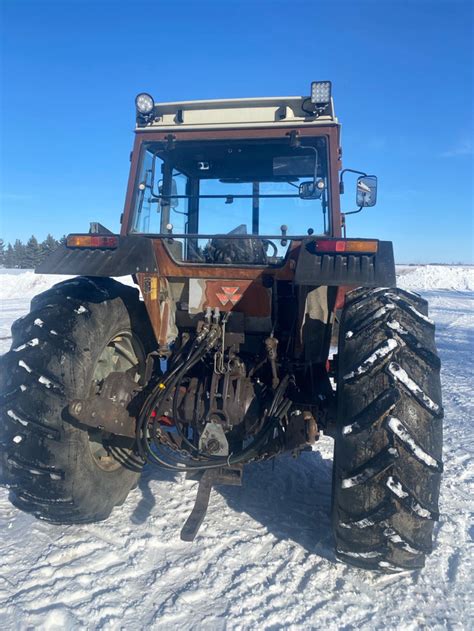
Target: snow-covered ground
x=263, y=558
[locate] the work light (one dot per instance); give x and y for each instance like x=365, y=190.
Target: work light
x=144, y=104
x=320, y=92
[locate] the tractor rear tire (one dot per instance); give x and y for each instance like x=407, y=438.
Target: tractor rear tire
x=76, y=333
x=387, y=455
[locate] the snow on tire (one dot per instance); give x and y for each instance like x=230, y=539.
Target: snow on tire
x=54, y=469
x=387, y=455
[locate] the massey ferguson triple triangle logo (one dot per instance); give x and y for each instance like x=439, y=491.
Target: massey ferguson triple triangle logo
x=224, y=294
x=229, y=294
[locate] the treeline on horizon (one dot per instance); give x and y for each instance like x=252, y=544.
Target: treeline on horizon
x=27, y=255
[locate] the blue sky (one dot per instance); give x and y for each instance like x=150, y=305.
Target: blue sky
x=402, y=82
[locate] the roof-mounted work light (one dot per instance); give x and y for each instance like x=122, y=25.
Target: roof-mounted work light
x=144, y=104
x=321, y=92
x=319, y=102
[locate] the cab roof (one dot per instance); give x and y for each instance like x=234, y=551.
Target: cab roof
x=280, y=111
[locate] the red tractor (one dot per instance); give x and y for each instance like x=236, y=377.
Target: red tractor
x=233, y=232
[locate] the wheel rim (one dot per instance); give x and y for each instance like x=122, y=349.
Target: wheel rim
x=123, y=353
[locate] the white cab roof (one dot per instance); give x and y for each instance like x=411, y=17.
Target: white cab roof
x=238, y=113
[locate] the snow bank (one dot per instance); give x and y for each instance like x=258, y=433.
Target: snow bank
x=26, y=284
x=429, y=277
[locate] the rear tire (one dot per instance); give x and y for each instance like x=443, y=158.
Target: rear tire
x=387, y=456
x=76, y=332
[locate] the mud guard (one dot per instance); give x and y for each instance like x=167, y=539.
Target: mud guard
x=133, y=255
x=347, y=269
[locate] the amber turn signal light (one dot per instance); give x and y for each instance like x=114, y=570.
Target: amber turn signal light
x=346, y=245
x=91, y=241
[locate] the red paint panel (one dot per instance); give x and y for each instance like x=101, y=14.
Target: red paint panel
x=244, y=296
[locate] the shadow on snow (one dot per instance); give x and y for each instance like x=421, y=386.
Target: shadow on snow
x=290, y=497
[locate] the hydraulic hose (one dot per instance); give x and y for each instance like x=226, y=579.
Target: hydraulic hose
x=164, y=386
x=277, y=410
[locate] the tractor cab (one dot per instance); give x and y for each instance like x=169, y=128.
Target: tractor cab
x=233, y=182
x=234, y=187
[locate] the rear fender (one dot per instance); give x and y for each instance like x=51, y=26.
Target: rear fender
x=346, y=268
x=133, y=255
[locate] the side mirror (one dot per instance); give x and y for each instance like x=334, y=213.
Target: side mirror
x=366, y=191
x=311, y=190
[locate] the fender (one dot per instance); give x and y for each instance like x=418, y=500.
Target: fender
x=359, y=269
x=133, y=254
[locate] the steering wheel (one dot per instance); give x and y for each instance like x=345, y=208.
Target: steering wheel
x=267, y=242
x=251, y=250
